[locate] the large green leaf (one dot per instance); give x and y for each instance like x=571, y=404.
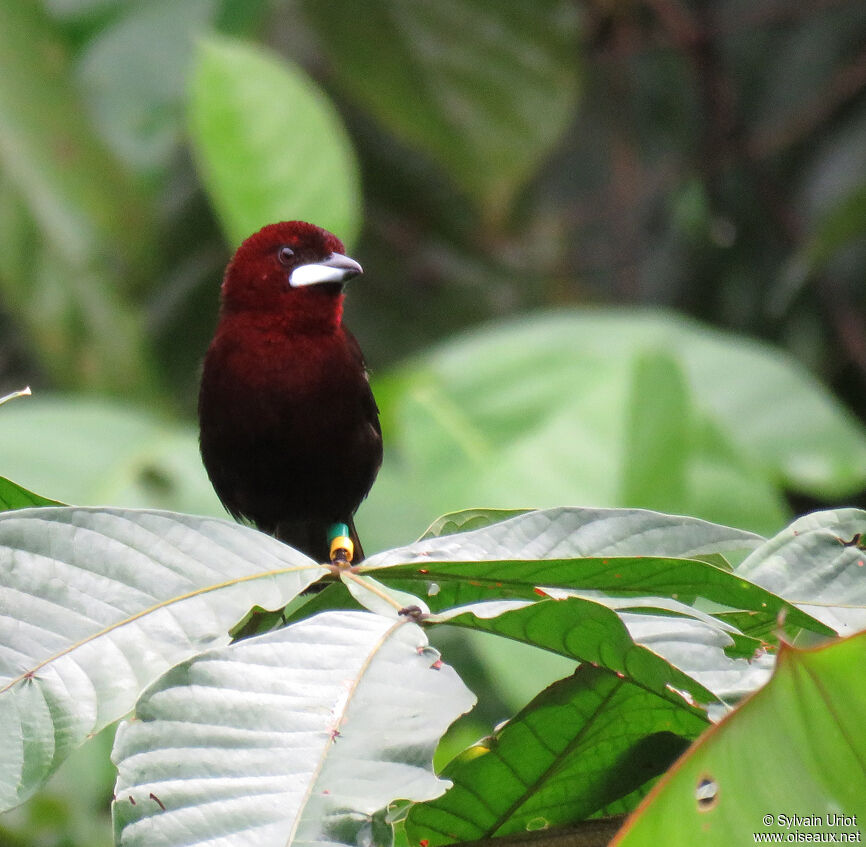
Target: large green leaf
x=564, y=532
x=621, y=552
x=616, y=576
x=658, y=428
x=76, y=233
x=14, y=496
x=301, y=736
x=819, y=563
x=95, y=604
x=94, y=452
x=269, y=144
x=586, y=632
x=551, y=409
x=485, y=88
x=76, y=191
x=137, y=102
x=586, y=741
x=795, y=748
x=707, y=651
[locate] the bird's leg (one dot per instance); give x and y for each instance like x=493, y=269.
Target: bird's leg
x=341, y=547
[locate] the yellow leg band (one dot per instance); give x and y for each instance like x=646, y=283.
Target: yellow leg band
x=342, y=543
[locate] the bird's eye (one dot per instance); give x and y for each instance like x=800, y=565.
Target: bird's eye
x=285, y=255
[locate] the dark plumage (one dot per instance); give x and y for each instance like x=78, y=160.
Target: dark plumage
x=289, y=429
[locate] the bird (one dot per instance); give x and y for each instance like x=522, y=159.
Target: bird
x=289, y=429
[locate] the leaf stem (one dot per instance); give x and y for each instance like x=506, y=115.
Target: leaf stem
x=23, y=392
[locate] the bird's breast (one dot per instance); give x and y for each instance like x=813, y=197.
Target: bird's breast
x=270, y=382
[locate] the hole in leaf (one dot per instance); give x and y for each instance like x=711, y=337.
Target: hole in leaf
x=707, y=793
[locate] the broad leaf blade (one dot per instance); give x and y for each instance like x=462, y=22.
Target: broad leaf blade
x=819, y=563
x=139, y=459
x=295, y=737
x=707, y=652
x=270, y=145
x=587, y=632
x=96, y=603
x=468, y=519
x=584, y=742
x=14, y=496
x=536, y=412
x=657, y=437
x=795, y=747
x=458, y=81
x=572, y=532
x=637, y=576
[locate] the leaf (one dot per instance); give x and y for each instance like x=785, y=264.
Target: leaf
x=620, y=577
x=79, y=195
x=796, y=747
x=539, y=412
x=13, y=496
x=137, y=102
x=706, y=647
x=709, y=653
x=818, y=563
x=138, y=460
x=585, y=631
x=563, y=549
x=303, y=735
x=658, y=434
x=381, y=599
x=96, y=603
x=269, y=144
x=584, y=742
x=486, y=89
x=77, y=234
x=565, y=532
x=468, y=519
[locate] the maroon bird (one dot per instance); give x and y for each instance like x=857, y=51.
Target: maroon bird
x=290, y=434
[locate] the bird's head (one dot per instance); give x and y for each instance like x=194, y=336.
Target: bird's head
x=293, y=270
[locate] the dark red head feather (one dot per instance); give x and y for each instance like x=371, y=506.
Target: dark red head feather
x=261, y=276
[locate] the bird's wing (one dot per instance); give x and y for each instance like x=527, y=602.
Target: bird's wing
x=370, y=408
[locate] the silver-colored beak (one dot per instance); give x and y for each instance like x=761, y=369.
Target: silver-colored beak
x=336, y=268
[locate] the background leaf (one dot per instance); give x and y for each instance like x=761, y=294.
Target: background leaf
x=68, y=206
x=270, y=146
x=454, y=80
x=135, y=74
x=659, y=428
x=543, y=412
x=138, y=459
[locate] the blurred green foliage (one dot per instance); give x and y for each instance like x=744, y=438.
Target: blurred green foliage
x=709, y=157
